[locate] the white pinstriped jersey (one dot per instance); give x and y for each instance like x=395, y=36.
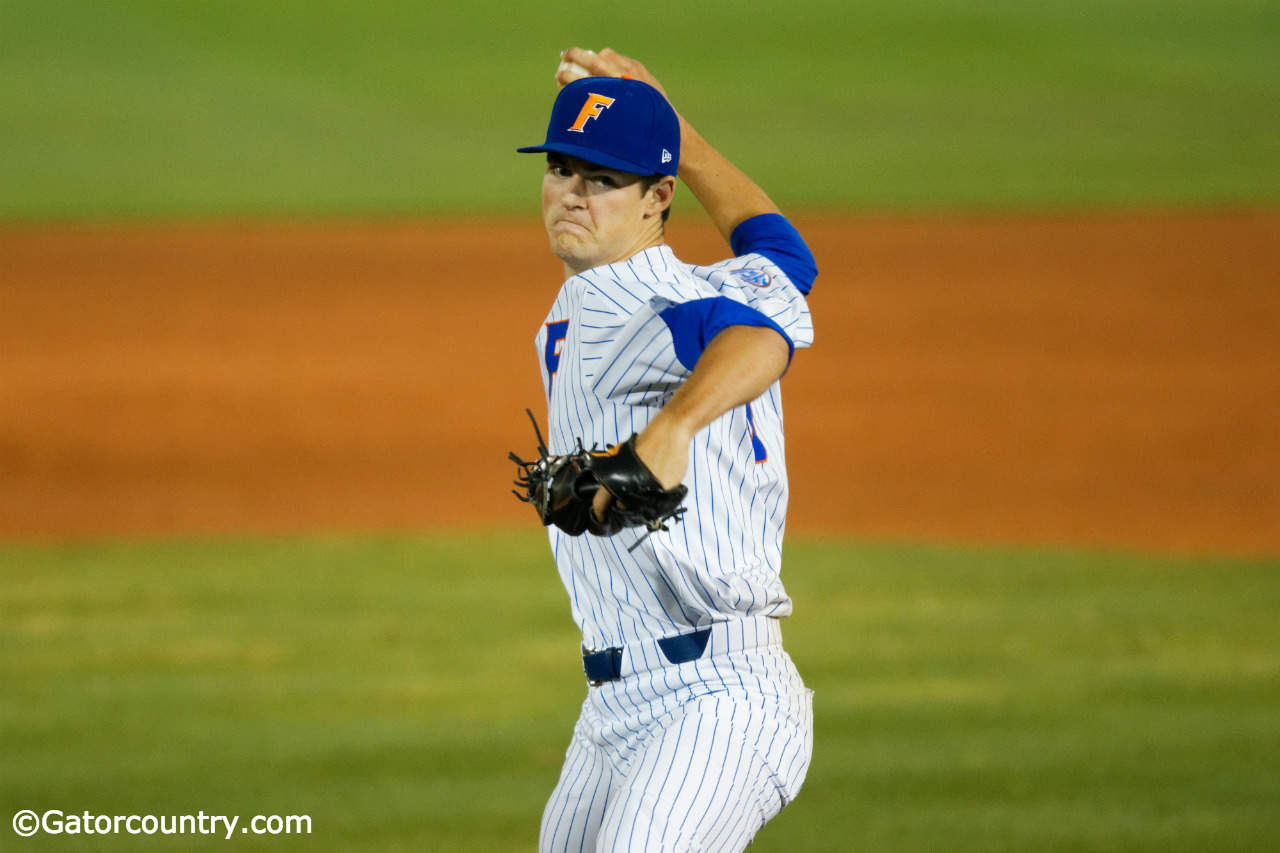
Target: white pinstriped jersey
x=609, y=363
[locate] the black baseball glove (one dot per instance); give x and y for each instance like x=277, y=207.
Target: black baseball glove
x=562, y=489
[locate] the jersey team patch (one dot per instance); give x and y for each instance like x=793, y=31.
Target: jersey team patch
x=756, y=278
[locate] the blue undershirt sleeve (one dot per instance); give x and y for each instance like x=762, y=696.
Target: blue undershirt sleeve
x=772, y=235
x=694, y=323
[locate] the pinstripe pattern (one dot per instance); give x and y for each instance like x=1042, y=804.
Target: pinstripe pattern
x=695, y=756
x=617, y=368
x=665, y=760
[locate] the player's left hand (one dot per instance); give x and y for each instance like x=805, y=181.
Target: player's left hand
x=637, y=498
x=559, y=488
x=564, y=489
x=663, y=448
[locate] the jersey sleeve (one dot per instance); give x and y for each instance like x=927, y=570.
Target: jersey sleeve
x=773, y=236
x=645, y=358
x=756, y=281
x=694, y=323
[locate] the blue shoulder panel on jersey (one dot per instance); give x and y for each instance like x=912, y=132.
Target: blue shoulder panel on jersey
x=694, y=323
x=772, y=235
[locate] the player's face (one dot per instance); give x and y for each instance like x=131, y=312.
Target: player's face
x=597, y=216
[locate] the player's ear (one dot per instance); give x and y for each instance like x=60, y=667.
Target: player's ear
x=659, y=195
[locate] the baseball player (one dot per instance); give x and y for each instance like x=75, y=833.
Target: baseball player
x=663, y=476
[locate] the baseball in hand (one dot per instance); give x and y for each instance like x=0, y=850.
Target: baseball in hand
x=575, y=71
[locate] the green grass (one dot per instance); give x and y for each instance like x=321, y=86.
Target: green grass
x=417, y=693
x=154, y=108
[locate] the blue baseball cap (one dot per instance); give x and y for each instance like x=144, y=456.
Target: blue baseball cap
x=616, y=123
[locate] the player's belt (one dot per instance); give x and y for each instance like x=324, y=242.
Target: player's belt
x=606, y=664
x=603, y=665
x=611, y=664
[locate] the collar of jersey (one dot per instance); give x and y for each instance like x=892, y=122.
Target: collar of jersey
x=636, y=267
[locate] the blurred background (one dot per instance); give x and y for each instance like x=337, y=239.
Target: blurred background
x=158, y=109
x=269, y=279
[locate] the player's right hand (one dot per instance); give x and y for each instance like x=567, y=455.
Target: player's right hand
x=606, y=63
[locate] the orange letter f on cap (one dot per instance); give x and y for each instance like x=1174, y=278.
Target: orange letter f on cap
x=591, y=109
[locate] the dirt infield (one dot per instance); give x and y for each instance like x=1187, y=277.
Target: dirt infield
x=1110, y=380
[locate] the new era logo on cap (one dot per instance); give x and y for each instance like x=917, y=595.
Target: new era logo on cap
x=614, y=122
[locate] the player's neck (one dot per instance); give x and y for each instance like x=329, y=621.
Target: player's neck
x=572, y=269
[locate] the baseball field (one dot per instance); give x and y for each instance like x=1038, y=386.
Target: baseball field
x=269, y=280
